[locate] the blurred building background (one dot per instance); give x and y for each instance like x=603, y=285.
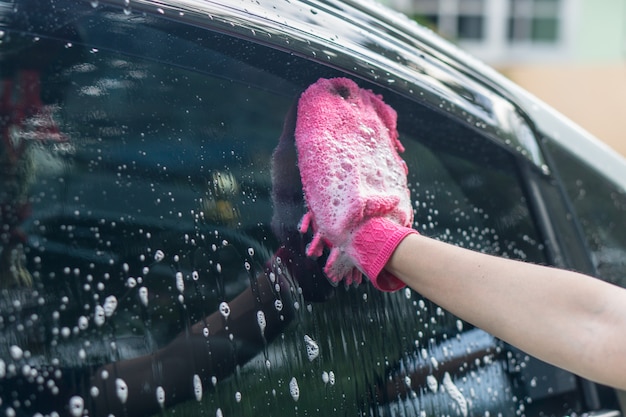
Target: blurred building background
x=569, y=53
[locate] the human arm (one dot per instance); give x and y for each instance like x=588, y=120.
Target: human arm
x=196, y=355
x=565, y=318
x=571, y=320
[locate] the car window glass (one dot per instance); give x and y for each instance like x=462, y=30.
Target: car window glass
x=600, y=207
x=143, y=267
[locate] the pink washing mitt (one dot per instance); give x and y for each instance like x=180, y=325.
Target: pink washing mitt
x=354, y=180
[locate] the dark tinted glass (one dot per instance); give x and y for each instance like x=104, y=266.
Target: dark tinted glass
x=600, y=206
x=145, y=265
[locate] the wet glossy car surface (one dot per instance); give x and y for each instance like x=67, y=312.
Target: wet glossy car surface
x=144, y=268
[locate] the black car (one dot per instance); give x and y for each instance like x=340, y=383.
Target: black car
x=144, y=269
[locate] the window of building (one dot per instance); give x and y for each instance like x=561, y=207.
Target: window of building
x=528, y=20
x=454, y=19
x=533, y=21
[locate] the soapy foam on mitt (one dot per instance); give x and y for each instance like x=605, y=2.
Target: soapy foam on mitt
x=354, y=180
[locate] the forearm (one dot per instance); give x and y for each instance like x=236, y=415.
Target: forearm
x=565, y=318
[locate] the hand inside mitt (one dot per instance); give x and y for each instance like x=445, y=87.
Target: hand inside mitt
x=354, y=181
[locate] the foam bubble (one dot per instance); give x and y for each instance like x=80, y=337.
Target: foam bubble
x=180, y=282
x=160, y=396
x=143, y=296
x=16, y=352
x=110, y=304
x=121, y=390
x=294, y=389
x=159, y=255
x=454, y=393
x=431, y=383
x=197, y=387
x=260, y=317
x=76, y=406
x=224, y=309
x=312, y=349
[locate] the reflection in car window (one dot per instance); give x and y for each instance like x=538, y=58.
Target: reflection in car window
x=141, y=269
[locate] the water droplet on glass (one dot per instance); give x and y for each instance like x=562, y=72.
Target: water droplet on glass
x=159, y=255
x=180, y=282
x=238, y=396
x=16, y=352
x=251, y=251
x=456, y=394
x=325, y=377
x=434, y=362
x=312, y=349
x=160, y=396
x=432, y=383
x=131, y=282
x=205, y=332
x=98, y=316
x=195, y=276
x=110, y=304
x=83, y=322
x=218, y=268
x=121, y=389
x=218, y=413
x=77, y=406
x=225, y=309
x=278, y=305
x=197, y=387
x=143, y=296
x=331, y=377
x=260, y=318
x=294, y=389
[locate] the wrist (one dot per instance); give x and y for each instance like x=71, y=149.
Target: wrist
x=373, y=245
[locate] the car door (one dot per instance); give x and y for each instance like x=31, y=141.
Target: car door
x=151, y=265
